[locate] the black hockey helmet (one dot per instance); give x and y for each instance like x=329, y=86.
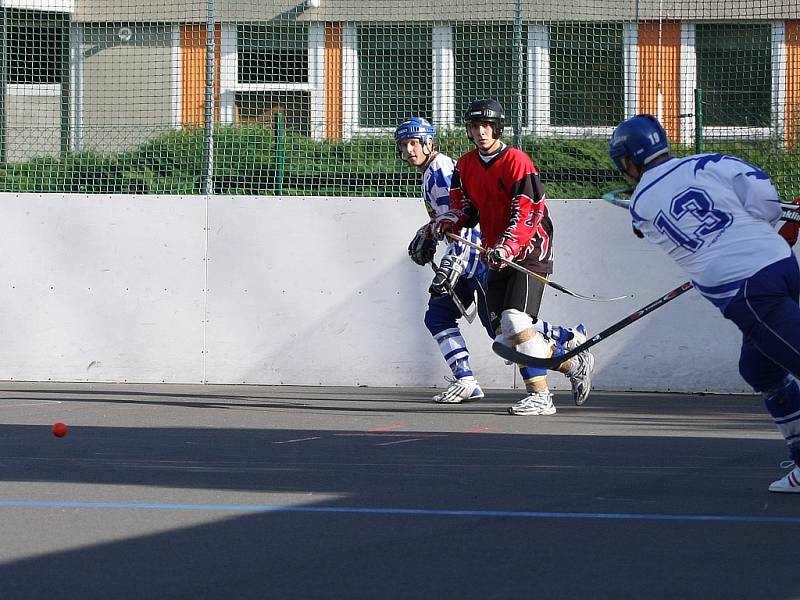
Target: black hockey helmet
x=487, y=110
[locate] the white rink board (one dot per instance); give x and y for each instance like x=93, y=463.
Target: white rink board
x=102, y=288
x=310, y=291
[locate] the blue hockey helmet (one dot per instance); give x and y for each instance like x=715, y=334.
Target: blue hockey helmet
x=639, y=139
x=415, y=127
x=487, y=110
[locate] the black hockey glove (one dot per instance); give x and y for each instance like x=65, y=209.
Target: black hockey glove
x=446, y=277
x=422, y=248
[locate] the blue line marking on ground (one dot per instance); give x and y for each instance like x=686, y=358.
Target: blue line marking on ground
x=420, y=512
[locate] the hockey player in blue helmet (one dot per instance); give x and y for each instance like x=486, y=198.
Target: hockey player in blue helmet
x=459, y=274
x=459, y=285
x=715, y=216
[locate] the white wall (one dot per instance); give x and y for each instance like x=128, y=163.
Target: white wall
x=309, y=291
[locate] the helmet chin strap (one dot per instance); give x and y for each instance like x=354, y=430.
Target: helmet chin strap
x=428, y=160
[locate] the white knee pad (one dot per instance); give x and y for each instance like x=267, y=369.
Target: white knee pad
x=514, y=322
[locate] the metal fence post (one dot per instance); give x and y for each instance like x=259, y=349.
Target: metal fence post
x=699, y=144
x=208, y=105
x=520, y=72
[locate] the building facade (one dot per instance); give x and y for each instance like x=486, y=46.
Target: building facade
x=108, y=75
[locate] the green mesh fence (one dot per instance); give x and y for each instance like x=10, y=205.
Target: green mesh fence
x=277, y=97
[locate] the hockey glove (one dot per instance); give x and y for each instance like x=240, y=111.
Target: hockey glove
x=422, y=248
x=790, y=229
x=498, y=257
x=446, y=277
x=444, y=224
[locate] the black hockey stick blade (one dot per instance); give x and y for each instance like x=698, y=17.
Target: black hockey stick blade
x=552, y=363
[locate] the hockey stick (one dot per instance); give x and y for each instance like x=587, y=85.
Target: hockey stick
x=469, y=316
x=551, y=363
x=789, y=211
x=536, y=276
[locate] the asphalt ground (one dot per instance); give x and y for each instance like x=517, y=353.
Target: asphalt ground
x=166, y=491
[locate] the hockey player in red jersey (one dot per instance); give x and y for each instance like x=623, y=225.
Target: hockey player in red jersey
x=498, y=187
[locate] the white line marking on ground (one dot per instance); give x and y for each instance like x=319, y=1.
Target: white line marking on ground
x=28, y=403
x=399, y=442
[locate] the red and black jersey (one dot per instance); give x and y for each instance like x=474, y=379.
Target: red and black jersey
x=506, y=196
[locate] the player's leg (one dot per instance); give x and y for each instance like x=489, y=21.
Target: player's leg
x=441, y=320
x=782, y=399
x=528, y=292
x=477, y=286
x=767, y=312
x=510, y=296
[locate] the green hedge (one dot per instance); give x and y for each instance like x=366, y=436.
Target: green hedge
x=246, y=162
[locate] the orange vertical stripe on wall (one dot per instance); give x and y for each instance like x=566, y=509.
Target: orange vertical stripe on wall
x=334, y=115
x=792, y=33
x=659, y=62
x=193, y=73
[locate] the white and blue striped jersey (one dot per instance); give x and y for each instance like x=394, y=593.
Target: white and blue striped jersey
x=715, y=215
x=436, y=194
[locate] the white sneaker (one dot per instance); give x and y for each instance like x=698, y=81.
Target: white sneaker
x=465, y=388
x=537, y=403
x=790, y=483
x=580, y=375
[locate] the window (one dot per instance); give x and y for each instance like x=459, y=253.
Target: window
x=38, y=47
x=550, y=79
x=262, y=108
x=586, y=74
x=272, y=53
x=272, y=69
x=395, y=62
x=487, y=64
x=734, y=72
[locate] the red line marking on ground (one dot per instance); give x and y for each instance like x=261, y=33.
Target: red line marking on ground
x=391, y=427
x=482, y=429
x=366, y=434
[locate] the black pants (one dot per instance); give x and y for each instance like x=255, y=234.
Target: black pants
x=508, y=288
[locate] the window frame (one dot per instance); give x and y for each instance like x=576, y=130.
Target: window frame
x=689, y=75
x=442, y=82
x=441, y=49
x=230, y=85
x=538, y=93
x=445, y=114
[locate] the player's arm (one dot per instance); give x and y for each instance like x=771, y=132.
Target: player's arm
x=527, y=211
x=757, y=193
x=461, y=212
x=436, y=196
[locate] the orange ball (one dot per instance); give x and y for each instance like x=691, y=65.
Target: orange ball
x=59, y=430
